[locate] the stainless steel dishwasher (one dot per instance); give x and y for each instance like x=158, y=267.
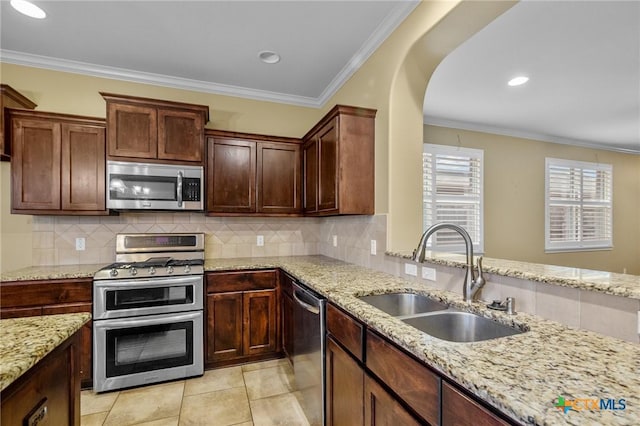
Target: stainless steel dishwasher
x=308, y=352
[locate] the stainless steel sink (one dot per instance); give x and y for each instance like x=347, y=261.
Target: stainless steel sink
x=403, y=304
x=460, y=326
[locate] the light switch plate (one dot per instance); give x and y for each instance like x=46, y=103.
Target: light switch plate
x=260, y=240
x=428, y=273
x=374, y=247
x=411, y=269
x=80, y=244
x=335, y=241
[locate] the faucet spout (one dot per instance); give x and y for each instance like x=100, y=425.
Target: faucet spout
x=472, y=284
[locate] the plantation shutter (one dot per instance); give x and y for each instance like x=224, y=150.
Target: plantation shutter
x=452, y=192
x=578, y=205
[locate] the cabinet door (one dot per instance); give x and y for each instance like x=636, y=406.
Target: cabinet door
x=132, y=130
x=224, y=326
x=287, y=325
x=278, y=179
x=35, y=165
x=231, y=176
x=310, y=165
x=328, y=166
x=83, y=163
x=259, y=336
x=344, y=387
x=86, y=337
x=459, y=410
x=382, y=409
x=180, y=135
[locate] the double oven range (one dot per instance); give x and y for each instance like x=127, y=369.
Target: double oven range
x=148, y=311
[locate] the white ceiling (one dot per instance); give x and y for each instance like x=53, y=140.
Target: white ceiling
x=583, y=60
x=209, y=46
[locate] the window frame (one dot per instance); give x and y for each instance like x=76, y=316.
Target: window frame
x=435, y=149
x=580, y=245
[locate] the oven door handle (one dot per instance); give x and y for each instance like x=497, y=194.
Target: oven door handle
x=154, y=282
x=142, y=321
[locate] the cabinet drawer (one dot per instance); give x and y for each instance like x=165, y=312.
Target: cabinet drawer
x=240, y=281
x=38, y=293
x=410, y=380
x=459, y=409
x=346, y=330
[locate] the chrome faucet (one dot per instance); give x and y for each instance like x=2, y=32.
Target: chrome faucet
x=471, y=284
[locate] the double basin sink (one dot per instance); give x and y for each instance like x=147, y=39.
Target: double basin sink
x=437, y=319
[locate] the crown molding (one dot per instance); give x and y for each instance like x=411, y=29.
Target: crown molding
x=384, y=30
x=76, y=67
x=486, y=128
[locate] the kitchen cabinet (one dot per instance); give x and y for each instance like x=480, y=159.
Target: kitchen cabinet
x=339, y=164
x=253, y=174
x=10, y=98
x=286, y=312
x=58, y=164
x=32, y=298
x=371, y=381
x=48, y=393
x=241, y=316
x=155, y=130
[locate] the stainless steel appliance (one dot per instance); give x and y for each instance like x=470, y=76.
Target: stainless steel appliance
x=145, y=186
x=308, y=352
x=147, y=311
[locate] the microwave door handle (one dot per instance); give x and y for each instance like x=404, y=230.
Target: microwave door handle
x=179, y=189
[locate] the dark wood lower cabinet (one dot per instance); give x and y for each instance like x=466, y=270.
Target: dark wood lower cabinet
x=224, y=326
x=344, y=387
x=460, y=410
x=259, y=322
x=382, y=409
x=49, y=390
x=33, y=298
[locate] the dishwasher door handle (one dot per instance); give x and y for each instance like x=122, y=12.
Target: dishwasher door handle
x=313, y=309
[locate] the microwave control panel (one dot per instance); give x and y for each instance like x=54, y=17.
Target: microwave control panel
x=190, y=189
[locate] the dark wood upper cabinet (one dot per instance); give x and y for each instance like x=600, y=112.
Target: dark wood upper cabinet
x=252, y=174
x=57, y=165
x=339, y=163
x=9, y=98
x=155, y=130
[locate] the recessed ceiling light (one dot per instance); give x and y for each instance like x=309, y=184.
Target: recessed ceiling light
x=27, y=8
x=269, y=57
x=517, y=81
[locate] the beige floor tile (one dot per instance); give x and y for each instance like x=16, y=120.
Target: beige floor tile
x=268, y=382
x=278, y=410
x=146, y=404
x=214, y=380
x=264, y=364
x=169, y=421
x=220, y=408
x=91, y=402
x=95, y=419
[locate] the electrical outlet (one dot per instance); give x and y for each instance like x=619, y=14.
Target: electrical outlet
x=260, y=240
x=80, y=244
x=374, y=247
x=411, y=269
x=428, y=273
x=335, y=241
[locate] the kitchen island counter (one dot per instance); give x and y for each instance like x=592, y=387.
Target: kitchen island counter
x=26, y=341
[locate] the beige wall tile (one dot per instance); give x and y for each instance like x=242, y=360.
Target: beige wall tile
x=611, y=315
x=558, y=303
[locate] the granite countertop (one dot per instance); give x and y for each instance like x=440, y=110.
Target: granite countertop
x=520, y=375
x=25, y=341
x=623, y=285
x=51, y=272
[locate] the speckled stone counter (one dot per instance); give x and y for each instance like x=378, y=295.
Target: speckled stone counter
x=25, y=341
x=51, y=272
x=623, y=285
x=520, y=375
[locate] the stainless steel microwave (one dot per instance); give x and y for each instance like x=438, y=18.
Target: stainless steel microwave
x=146, y=186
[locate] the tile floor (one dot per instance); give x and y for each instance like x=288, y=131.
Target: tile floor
x=259, y=394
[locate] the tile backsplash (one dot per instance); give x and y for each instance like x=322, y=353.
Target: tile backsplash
x=54, y=237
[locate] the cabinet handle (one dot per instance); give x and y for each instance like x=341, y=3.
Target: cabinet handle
x=38, y=415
